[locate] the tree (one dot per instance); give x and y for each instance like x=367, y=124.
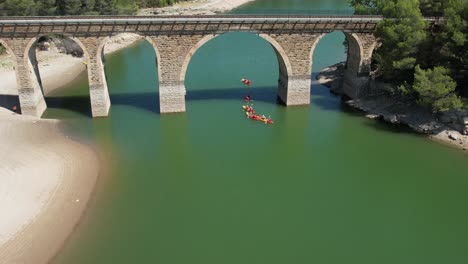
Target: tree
x=453, y=41
x=368, y=7
x=69, y=7
x=87, y=7
x=432, y=7
x=435, y=88
x=401, y=36
x=105, y=7
x=128, y=9
x=18, y=8
x=46, y=7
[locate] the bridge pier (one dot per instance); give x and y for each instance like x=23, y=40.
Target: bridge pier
x=295, y=66
x=28, y=82
x=173, y=54
x=93, y=49
x=358, y=64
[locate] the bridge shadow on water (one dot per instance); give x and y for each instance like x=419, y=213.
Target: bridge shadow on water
x=9, y=101
x=149, y=101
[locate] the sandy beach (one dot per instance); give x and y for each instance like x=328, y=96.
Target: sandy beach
x=45, y=182
x=195, y=7
x=46, y=179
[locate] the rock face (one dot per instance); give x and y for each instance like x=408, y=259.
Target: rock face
x=465, y=125
x=60, y=44
x=454, y=136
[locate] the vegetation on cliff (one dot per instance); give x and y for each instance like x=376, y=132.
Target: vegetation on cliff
x=76, y=7
x=428, y=62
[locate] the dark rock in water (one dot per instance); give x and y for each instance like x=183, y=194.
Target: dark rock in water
x=453, y=136
x=392, y=119
x=465, y=121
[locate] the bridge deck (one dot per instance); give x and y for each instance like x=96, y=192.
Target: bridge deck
x=183, y=25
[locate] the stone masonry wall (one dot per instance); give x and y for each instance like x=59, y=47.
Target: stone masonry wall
x=173, y=53
x=176, y=42
x=29, y=89
x=98, y=92
x=295, y=89
x=358, y=66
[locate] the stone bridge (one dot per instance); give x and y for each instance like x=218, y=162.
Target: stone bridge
x=175, y=40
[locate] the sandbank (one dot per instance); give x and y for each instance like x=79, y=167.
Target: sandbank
x=45, y=182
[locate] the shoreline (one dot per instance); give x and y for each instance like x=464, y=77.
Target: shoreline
x=46, y=181
x=46, y=178
x=396, y=110
x=194, y=7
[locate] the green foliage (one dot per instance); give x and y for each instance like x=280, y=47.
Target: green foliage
x=367, y=7
x=128, y=9
x=407, y=41
x=435, y=88
x=45, y=7
x=18, y=8
x=453, y=41
x=77, y=7
x=87, y=7
x=432, y=7
x=401, y=36
x=69, y=7
x=2, y=49
x=106, y=7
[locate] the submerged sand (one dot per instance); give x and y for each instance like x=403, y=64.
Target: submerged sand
x=45, y=182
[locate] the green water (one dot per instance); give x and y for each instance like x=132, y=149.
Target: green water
x=322, y=185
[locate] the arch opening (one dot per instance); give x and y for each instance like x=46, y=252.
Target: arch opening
x=8, y=86
x=350, y=78
x=214, y=66
x=336, y=54
x=57, y=63
x=131, y=75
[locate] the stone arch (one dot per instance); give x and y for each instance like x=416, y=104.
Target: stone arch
x=283, y=59
x=285, y=67
x=13, y=57
x=360, y=50
x=314, y=45
x=359, y=53
x=100, y=54
x=8, y=49
x=31, y=60
x=150, y=41
x=190, y=54
x=355, y=53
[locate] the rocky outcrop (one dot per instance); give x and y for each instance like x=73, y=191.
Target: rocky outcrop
x=378, y=101
x=59, y=44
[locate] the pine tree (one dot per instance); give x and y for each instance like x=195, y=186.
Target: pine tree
x=19, y=8
x=105, y=7
x=435, y=88
x=69, y=7
x=402, y=36
x=45, y=7
x=87, y=7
